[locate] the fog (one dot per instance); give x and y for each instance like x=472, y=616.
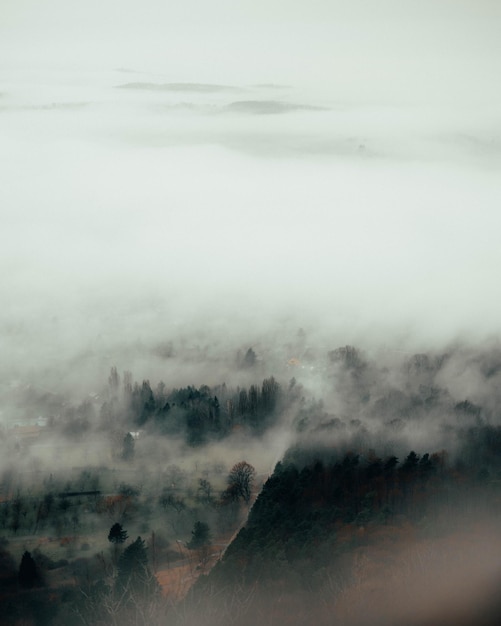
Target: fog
x=180, y=184
x=336, y=165
x=332, y=169
x=128, y=211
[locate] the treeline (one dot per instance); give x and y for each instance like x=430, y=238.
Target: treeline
x=169, y=500
x=316, y=507
x=196, y=413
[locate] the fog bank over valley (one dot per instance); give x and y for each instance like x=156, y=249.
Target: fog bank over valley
x=228, y=170
x=132, y=215
x=250, y=342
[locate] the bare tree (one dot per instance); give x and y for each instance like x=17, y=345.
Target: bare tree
x=204, y=491
x=240, y=480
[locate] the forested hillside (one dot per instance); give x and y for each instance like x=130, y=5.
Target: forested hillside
x=343, y=480
x=331, y=539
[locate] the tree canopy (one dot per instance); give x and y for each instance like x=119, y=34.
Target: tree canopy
x=29, y=576
x=134, y=576
x=117, y=534
x=200, y=536
x=240, y=481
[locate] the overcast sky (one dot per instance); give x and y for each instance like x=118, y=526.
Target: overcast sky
x=378, y=49
x=332, y=159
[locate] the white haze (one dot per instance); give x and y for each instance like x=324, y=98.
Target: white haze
x=353, y=188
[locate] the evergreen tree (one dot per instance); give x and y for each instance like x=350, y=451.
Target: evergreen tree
x=249, y=358
x=114, y=382
x=117, y=534
x=134, y=576
x=200, y=541
x=128, y=447
x=200, y=536
x=28, y=572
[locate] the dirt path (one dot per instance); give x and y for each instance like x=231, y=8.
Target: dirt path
x=177, y=579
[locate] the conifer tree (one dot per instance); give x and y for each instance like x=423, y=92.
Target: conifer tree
x=117, y=534
x=128, y=447
x=200, y=536
x=134, y=576
x=28, y=572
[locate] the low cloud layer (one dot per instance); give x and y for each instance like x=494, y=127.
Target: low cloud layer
x=130, y=212
x=268, y=107
x=179, y=87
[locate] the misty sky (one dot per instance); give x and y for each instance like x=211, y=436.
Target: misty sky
x=332, y=161
x=410, y=49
